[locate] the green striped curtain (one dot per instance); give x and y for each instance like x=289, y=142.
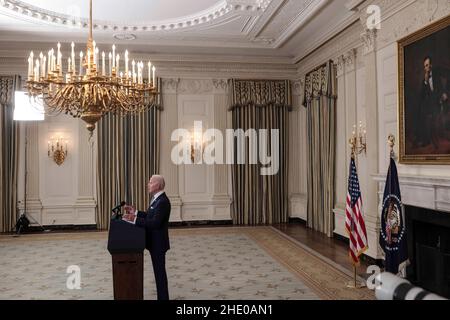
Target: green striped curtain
x=128, y=155
x=320, y=101
x=9, y=146
x=260, y=199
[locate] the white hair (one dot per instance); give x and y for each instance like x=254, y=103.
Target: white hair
x=160, y=179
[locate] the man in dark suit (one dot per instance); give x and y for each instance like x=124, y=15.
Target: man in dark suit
x=433, y=104
x=156, y=224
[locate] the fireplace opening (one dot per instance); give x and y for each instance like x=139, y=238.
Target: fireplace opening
x=429, y=249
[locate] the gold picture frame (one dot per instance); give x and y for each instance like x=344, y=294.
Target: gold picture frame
x=424, y=114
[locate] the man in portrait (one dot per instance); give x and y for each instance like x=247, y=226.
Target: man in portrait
x=433, y=115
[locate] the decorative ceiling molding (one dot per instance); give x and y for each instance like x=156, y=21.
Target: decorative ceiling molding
x=327, y=36
x=252, y=32
x=309, y=10
x=353, y=4
x=344, y=41
x=208, y=16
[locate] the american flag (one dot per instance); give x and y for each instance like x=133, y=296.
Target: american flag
x=354, y=221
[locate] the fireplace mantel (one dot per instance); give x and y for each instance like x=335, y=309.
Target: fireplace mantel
x=421, y=191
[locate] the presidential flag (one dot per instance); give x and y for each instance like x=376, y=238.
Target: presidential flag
x=354, y=221
x=393, y=227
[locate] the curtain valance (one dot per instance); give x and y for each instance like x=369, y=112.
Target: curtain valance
x=321, y=82
x=260, y=93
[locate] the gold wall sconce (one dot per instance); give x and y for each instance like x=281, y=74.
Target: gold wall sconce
x=358, y=141
x=196, y=145
x=57, y=151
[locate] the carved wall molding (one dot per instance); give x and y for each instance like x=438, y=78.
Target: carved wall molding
x=350, y=60
x=369, y=38
x=195, y=86
x=169, y=86
x=340, y=66
x=298, y=87
x=220, y=86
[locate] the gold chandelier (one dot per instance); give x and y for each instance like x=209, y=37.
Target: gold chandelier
x=91, y=92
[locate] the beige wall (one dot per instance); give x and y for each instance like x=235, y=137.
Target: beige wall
x=367, y=88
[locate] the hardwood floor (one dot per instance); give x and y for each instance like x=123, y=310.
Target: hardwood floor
x=332, y=248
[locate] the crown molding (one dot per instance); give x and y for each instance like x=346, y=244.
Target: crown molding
x=191, y=70
x=22, y=49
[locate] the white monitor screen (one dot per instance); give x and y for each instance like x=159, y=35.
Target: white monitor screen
x=26, y=109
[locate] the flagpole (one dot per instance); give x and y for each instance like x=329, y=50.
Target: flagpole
x=355, y=284
x=358, y=145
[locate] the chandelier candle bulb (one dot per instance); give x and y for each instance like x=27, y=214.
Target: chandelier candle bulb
x=89, y=60
x=139, y=73
x=149, y=72
x=72, y=55
x=117, y=64
x=154, y=78
x=44, y=74
x=81, y=63
x=126, y=63
x=49, y=61
x=41, y=63
x=110, y=64
x=103, y=63
x=114, y=55
x=29, y=67
x=96, y=57
x=59, y=66
x=59, y=54
x=30, y=64
x=53, y=60
x=36, y=71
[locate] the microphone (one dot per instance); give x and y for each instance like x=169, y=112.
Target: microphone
x=117, y=208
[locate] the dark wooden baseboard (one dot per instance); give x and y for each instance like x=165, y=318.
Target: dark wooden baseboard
x=297, y=220
x=202, y=223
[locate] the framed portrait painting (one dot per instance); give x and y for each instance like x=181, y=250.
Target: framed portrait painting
x=424, y=92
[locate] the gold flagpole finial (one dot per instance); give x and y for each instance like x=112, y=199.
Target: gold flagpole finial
x=391, y=143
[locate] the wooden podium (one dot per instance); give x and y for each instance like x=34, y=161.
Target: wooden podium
x=126, y=243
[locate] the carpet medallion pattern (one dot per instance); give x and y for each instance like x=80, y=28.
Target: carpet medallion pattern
x=204, y=263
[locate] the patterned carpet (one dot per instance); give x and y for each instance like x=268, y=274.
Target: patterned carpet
x=211, y=263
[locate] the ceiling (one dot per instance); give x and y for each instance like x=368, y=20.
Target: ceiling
x=282, y=29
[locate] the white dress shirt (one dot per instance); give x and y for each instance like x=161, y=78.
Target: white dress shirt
x=430, y=82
